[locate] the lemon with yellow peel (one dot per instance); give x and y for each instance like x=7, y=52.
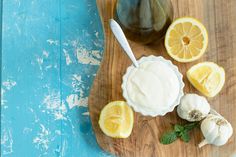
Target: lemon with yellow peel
x=186, y=39
x=207, y=77
x=116, y=119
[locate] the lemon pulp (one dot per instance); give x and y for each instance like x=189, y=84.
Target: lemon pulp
x=186, y=39
x=116, y=119
x=207, y=77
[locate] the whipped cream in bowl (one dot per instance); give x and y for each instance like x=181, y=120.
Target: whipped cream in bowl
x=154, y=88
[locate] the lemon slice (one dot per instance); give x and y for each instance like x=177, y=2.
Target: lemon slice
x=186, y=39
x=207, y=77
x=116, y=119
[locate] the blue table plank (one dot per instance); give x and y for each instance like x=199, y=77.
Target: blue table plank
x=51, y=51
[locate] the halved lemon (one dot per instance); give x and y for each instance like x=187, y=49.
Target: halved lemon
x=116, y=119
x=207, y=77
x=186, y=39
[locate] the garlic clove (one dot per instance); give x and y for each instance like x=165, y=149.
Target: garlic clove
x=225, y=133
x=208, y=130
x=203, y=143
x=220, y=140
x=211, y=135
x=193, y=107
x=216, y=130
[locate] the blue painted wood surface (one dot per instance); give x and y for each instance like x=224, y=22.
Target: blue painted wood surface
x=51, y=50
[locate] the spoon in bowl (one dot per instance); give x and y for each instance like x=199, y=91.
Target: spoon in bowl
x=120, y=36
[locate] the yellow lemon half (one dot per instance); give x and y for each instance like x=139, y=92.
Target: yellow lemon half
x=116, y=119
x=186, y=39
x=207, y=77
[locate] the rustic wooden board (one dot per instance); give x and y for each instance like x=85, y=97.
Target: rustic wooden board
x=219, y=17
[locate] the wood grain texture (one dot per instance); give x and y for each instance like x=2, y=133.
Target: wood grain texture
x=219, y=17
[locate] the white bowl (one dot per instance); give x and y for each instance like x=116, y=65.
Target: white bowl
x=163, y=111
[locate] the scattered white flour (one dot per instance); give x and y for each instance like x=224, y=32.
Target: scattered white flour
x=58, y=132
x=68, y=60
x=39, y=60
x=3, y=101
x=86, y=33
x=96, y=53
x=96, y=34
x=85, y=113
x=41, y=141
x=27, y=130
x=74, y=43
x=6, y=141
x=86, y=57
x=8, y=84
x=48, y=67
x=52, y=101
x=45, y=53
x=77, y=78
x=53, y=105
x=73, y=100
x=77, y=84
x=63, y=148
x=53, y=42
x=65, y=44
x=36, y=118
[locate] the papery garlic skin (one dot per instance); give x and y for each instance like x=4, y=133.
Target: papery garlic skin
x=216, y=130
x=193, y=107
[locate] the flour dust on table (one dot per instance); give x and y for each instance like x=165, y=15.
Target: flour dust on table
x=51, y=51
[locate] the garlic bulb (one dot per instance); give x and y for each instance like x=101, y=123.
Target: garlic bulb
x=216, y=130
x=193, y=107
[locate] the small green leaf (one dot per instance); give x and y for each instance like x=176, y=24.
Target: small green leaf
x=190, y=126
x=181, y=131
x=185, y=136
x=168, y=137
x=178, y=128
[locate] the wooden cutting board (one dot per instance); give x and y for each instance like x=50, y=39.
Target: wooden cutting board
x=219, y=17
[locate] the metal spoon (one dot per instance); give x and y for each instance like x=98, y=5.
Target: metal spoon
x=119, y=34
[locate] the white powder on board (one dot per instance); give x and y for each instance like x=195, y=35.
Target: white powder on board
x=45, y=53
x=84, y=57
x=73, y=100
x=53, y=42
x=42, y=65
x=85, y=113
x=77, y=84
x=53, y=105
x=8, y=84
x=96, y=53
x=96, y=34
x=42, y=139
x=6, y=141
x=77, y=78
x=68, y=59
x=27, y=130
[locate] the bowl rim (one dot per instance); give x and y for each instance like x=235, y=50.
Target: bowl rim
x=143, y=111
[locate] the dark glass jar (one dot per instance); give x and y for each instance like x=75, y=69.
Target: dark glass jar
x=144, y=21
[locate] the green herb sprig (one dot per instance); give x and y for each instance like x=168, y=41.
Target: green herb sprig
x=181, y=131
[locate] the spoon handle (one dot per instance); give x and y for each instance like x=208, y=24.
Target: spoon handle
x=119, y=34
